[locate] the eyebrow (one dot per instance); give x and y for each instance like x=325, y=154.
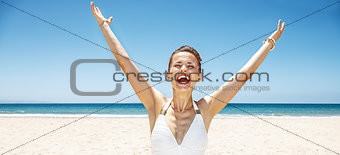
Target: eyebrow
x=187, y=62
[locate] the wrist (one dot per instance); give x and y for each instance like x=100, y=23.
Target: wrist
x=102, y=24
x=267, y=45
x=274, y=36
x=271, y=42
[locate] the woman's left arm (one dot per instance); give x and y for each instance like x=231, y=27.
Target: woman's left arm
x=216, y=101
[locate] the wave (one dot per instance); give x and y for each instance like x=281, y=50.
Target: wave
x=221, y=116
x=218, y=116
x=74, y=115
x=5, y=112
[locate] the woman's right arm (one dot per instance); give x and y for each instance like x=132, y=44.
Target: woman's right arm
x=149, y=96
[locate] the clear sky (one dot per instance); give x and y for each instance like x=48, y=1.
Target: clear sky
x=35, y=57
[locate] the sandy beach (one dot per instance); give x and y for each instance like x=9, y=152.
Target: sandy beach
x=132, y=136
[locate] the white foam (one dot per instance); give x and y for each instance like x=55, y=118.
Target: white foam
x=221, y=116
x=218, y=116
x=74, y=115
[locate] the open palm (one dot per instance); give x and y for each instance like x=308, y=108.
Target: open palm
x=277, y=34
x=99, y=16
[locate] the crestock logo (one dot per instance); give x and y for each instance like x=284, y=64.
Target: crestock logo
x=73, y=78
x=119, y=76
x=157, y=76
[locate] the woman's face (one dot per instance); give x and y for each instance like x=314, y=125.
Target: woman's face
x=184, y=71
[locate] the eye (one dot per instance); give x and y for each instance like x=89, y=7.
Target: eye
x=177, y=65
x=191, y=67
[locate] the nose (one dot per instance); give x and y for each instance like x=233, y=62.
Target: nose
x=183, y=68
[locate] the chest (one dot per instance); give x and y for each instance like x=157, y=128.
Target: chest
x=165, y=140
x=179, y=125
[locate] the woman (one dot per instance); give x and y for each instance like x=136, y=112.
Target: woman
x=178, y=125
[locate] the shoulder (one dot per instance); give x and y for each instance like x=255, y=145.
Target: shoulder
x=155, y=113
x=161, y=104
x=203, y=106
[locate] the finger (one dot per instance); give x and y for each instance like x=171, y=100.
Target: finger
x=92, y=7
x=283, y=27
x=100, y=13
x=109, y=21
x=279, y=25
x=97, y=11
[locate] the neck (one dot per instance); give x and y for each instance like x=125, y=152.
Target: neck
x=182, y=101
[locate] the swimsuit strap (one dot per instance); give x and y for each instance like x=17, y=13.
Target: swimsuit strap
x=197, y=111
x=165, y=108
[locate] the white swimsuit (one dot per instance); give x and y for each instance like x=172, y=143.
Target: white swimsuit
x=164, y=143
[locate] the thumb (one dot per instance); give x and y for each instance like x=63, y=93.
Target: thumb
x=110, y=20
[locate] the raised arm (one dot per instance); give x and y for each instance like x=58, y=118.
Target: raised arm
x=148, y=95
x=216, y=101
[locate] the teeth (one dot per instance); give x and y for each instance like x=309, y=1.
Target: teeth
x=183, y=76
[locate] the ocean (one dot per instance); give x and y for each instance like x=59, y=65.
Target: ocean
x=137, y=110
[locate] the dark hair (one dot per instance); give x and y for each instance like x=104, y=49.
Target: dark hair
x=188, y=49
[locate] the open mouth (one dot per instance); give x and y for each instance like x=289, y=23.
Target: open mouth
x=183, y=79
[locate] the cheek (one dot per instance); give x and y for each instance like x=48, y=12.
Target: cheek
x=174, y=70
x=195, y=76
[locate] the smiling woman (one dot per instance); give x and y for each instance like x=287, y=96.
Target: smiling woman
x=178, y=125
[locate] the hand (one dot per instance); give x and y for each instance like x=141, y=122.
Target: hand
x=99, y=16
x=277, y=34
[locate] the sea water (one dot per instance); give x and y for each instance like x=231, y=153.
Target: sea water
x=137, y=110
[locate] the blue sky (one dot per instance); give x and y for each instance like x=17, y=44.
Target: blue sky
x=35, y=57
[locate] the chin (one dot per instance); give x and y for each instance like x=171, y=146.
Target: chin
x=182, y=88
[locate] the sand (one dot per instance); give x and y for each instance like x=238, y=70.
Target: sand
x=131, y=136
